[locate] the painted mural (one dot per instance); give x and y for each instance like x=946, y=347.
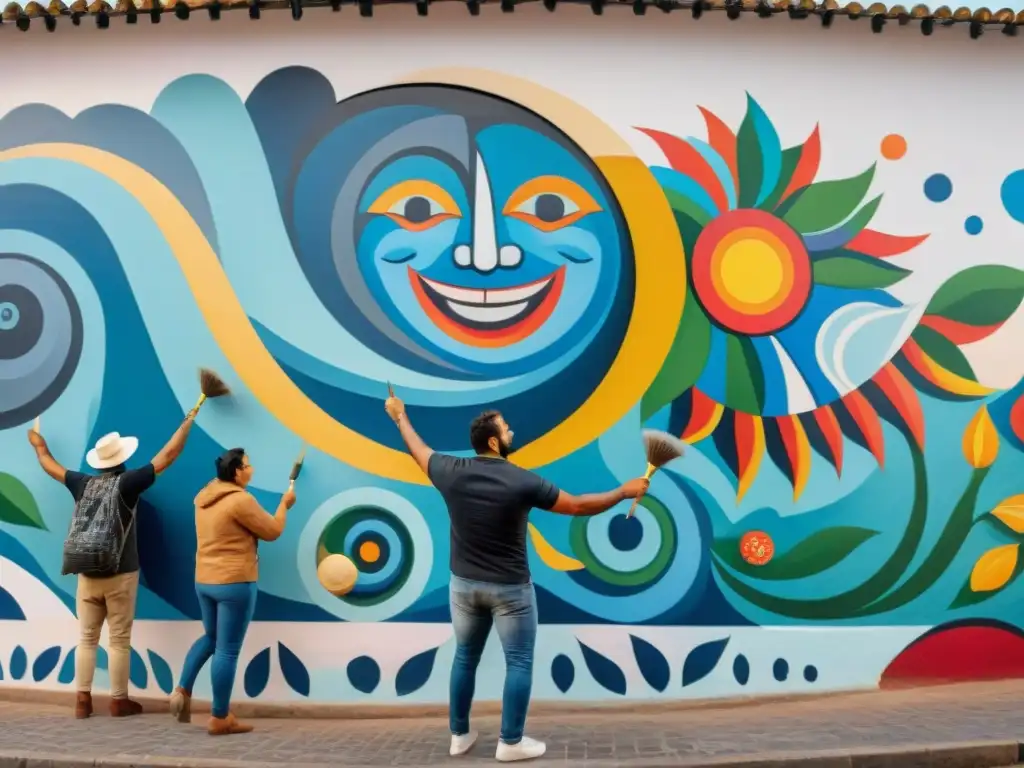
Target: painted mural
x=850, y=507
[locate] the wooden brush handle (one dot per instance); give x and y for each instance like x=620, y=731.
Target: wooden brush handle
x=647, y=475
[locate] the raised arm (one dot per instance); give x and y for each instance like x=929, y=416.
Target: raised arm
x=262, y=524
x=596, y=503
x=49, y=464
x=420, y=451
x=170, y=452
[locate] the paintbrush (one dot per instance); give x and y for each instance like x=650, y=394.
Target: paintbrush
x=211, y=385
x=296, y=469
x=661, y=448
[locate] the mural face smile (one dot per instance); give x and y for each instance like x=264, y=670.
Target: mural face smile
x=489, y=317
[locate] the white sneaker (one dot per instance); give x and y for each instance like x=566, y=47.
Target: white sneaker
x=462, y=744
x=527, y=749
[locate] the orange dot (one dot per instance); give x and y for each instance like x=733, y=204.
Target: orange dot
x=757, y=547
x=369, y=551
x=894, y=147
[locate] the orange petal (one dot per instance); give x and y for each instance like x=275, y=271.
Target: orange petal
x=833, y=434
x=723, y=141
x=994, y=568
x=1017, y=418
x=749, y=431
x=807, y=166
x=903, y=396
x=868, y=424
x=684, y=158
x=705, y=414
x=798, y=448
x=1010, y=512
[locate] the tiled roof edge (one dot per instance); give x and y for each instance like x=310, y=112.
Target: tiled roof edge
x=878, y=13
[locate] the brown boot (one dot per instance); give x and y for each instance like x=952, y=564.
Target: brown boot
x=124, y=708
x=181, y=705
x=224, y=726
x=83, y=705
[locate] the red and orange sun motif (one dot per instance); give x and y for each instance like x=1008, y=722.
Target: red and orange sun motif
x=751, y=272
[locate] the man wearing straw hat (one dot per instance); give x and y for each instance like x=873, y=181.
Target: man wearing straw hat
x=488, y=502
x=109, y=596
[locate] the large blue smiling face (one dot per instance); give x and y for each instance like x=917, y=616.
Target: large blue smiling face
x=509, y=255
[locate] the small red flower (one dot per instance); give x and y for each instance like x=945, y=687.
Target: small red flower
x=757, y=547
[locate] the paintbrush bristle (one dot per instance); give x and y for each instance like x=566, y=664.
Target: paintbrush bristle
x=661, y=447
x=212, y=385
x=297, y=466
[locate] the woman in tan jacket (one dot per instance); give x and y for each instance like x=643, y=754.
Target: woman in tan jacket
x=229, y=521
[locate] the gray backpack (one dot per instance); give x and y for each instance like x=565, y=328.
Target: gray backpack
x=97, y=536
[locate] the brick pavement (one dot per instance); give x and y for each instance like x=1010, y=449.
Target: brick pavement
x=829, y=729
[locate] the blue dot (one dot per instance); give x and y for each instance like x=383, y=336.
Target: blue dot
x=973, y=225
x=938, y=187
x=810, y=673
x=1012, y=194
x=625, y=533
x=741, y=669
x=780, y=669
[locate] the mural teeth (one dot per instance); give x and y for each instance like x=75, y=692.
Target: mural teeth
x=458, y=294
x=487, y=314
x=505, y=295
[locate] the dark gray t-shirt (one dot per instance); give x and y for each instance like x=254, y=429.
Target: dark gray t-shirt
x=488, y=502
x=133, y=483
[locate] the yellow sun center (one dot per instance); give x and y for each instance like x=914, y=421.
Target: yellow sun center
x=369, y=551
x=752, y=271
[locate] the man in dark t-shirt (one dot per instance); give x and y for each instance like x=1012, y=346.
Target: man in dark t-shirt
x=110, y=598
x=488, y=502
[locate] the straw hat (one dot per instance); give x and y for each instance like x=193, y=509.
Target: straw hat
x=111, y=450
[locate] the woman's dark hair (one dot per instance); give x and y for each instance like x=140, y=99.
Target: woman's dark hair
x=482, y=429
x=228, y=463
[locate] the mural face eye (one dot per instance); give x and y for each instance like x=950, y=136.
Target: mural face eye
x=415, y=205
x=550, y=203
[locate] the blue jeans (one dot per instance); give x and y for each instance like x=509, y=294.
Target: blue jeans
x=512, y=608
x=227, y=610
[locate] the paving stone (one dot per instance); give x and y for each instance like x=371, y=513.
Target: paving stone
x=971, y=726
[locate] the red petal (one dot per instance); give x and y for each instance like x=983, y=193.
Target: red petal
x=903, y=397
x=957, y=332
x=807, y=166
x=685, y=159
x=1017, y=418
x=749, y=432
x=867, y=422
x=798, y=449
x=881, y=245
x=723, y=141
x=833, y=434
x=705, y=414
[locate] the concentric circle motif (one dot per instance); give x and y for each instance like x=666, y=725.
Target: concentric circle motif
x=41, y=337
x=377, y=531
x=379, y=546
x=757, y=547
x=751, y=272
x=625, y=554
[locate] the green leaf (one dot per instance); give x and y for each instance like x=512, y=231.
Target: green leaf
x=744, y=378
x=849, y=269
x=17, y=505
x=790, y=158
x=820, y=551
x=826, y=204
x=979, y=296
x=684, y=362
x=749, y=161
x=683, y=204
x=863, y=217
x=689, y=231
x=943, y=351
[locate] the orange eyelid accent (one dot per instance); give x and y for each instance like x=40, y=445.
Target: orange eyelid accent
x=558, y=185
x=415, y=188
x=419, y=226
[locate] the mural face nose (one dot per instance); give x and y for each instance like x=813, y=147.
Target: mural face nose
x=484, y=255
